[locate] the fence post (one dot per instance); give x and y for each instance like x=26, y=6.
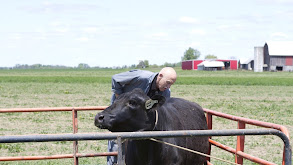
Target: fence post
x=75, y=130
x=240, y=144
x=120, y=157
x=209, y=118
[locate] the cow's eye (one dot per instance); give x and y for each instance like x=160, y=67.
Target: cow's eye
x=132, y=103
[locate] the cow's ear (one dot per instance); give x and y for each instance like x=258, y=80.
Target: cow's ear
x=160, y=98
x=155, y=100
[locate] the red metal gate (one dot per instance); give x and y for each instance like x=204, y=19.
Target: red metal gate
x=239, y=151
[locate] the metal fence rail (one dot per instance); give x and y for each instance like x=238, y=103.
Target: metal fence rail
x=148, y=134
x=238, y=152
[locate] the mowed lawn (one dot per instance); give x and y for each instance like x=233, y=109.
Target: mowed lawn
x=266, y=96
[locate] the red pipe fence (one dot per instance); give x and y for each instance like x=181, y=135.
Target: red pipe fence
x=239, y=151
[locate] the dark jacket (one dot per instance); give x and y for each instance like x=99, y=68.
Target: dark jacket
x=127, y=81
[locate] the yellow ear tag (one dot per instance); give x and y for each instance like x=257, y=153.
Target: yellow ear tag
x=149, y=104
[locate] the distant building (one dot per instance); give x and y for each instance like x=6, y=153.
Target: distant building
x=274, y=56
x=211, y=65
x=229, y=64
x=246, y=63
x=190, y=64
x=193, y=64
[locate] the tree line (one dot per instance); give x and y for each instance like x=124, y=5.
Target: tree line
x=141, y=64
x=193, y=54
x=189, y=54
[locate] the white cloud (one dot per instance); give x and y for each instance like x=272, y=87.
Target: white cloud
x=160, y=34
x=55, y=23
x=83, y=39
x=16, y=36
x=198, y=31
x=227, y=27
x=188, y=20
x=41, y=37
x=90, y=30
x=57, y=8
x=61, y=30
x=279, y=1
x=223, y=27
x=279, y=35
x=60, y=27
x=194, y=44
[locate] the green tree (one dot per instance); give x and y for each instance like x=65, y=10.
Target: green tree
x=166, y=64
x=154, y=66
x=83, y=66
x=141, y=64
x=210, y=56
x=190, y=54
x=146, y=62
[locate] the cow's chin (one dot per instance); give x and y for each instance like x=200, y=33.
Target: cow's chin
x=115, y=129
x=102, y=127
x=120, y=129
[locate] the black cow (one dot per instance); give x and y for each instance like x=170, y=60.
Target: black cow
x=133, y=111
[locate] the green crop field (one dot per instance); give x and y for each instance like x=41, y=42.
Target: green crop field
x=266, y=96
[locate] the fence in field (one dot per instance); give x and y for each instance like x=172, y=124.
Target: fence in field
x=238, y=152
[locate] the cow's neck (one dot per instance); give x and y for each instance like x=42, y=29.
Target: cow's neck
x=163, y=121
x=156, y=119
x=153, y=118
x=159, y=119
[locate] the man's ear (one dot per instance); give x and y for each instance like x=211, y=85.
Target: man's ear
x=155, y=101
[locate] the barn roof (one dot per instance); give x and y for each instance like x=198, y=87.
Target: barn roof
x=280, y=48
x=211, y=64
x=245, y=60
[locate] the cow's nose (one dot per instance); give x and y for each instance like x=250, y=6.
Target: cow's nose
x=101, y=118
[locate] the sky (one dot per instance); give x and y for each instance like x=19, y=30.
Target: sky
x=108, y=33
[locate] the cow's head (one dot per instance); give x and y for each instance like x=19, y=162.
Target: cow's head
x=132, y=111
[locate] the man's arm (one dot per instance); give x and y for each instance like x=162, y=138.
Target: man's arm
x=126, y=78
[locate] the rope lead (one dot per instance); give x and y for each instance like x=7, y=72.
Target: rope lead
x=196, y=152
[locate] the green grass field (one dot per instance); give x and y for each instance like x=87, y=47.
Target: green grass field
x=266, y=96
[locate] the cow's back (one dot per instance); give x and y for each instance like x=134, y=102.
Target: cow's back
x=186, y=115
x=181, y=114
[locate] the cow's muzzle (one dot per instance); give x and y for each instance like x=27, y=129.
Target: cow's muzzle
x=99, y=119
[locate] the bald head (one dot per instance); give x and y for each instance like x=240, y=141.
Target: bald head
x=166, y=77
x=169, y=73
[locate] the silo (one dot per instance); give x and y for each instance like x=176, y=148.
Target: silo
x=258, y=59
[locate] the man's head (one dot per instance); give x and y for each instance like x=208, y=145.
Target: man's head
x=166, y=77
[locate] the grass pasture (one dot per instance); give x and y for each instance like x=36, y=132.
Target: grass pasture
x=266, y=96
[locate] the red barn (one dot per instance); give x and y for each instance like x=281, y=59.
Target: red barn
x=192, y=64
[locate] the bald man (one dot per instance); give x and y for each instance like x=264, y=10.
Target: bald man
x=151, y=83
